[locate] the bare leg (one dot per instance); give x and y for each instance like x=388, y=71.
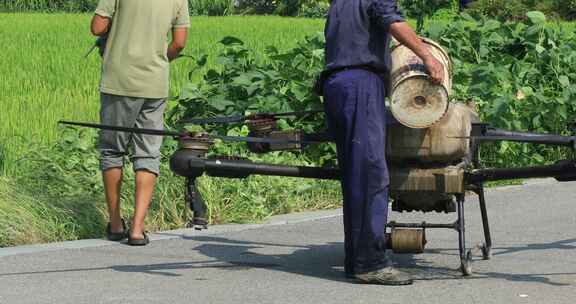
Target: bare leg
x=112, y=185
x=145, y=182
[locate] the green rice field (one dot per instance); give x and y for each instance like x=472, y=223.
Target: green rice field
x=44, y=76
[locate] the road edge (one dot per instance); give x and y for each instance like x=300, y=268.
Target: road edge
x=276, y=220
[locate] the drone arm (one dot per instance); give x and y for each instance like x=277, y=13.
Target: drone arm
x=317, y=137
x=230, y=168
x=485, y=133
x=554, y=140
x=189, y=165
x=564, y=170
x=502, y=132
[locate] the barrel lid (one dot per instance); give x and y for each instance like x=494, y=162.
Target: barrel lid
x=417, y=103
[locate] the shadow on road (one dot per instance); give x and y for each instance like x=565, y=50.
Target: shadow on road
x=320, y=261
x=569, y=244
x=325, y=261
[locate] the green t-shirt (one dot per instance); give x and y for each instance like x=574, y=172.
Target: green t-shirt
x=136, y=62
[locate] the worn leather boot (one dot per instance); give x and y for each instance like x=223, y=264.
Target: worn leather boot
x=385, y=276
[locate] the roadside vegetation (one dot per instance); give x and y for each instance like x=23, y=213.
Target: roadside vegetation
x=51, y=188
x=504, y=9
x=522, y=74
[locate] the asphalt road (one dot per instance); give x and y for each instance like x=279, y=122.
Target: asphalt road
x=298, y=259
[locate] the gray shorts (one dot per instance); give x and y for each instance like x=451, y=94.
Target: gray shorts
x=135, y=113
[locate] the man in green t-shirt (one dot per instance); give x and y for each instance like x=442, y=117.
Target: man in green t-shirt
x=134, y=88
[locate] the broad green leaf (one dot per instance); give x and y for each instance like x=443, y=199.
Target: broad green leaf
x=212, y=75
x=528, y=91
x=194, y=128
x=536, y=17
x=223, y=60
x=246, y=79
x=495, y=38
x=491, y=25
x=202, y=60
x=538, y=158
x=483, y=51
x=517, y=125
x=564, y=81
x=536, y=121
x=219, y=102
x=319, y=53
x=271, y=50
x=562, y=111
x=532, y=32
x=253, y=88
x=300, y=92
x=434, y=30
x=229, y=40
x=189, y=92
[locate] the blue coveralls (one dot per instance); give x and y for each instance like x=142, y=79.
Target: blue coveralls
x=357, y=51
x=465, y=3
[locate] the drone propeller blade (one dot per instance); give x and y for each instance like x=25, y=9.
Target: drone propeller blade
x=544, y=139
x=184, y=133
x=125, y=129
x=204, y=121
x=241, y=118
x=556, y=140
x=297, y=113
x=260, y=140
x=318, y=137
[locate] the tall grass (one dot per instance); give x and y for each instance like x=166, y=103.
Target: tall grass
x=197, y=7
x=25, y=219
x=48, y=5
x=211, y=7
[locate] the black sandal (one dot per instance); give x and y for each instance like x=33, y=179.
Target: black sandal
x=116, y=236
x=139, y=242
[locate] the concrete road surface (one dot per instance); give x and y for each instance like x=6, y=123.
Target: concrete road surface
x=298, y=259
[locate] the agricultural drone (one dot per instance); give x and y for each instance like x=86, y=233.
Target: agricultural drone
x=432, y=150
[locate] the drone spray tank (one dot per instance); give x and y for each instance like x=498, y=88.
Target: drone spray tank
x=429, y=140
x=425, y=149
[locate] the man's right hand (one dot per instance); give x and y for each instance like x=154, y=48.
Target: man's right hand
x=406, y=36
x=434, y=68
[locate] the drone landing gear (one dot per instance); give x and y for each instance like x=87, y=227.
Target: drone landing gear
x=486, y=247
x=460, y=226
x=197, y=205
x=465, y=256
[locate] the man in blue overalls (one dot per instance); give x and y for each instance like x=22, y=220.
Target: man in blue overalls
x=357, y=60
x=465, y=4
